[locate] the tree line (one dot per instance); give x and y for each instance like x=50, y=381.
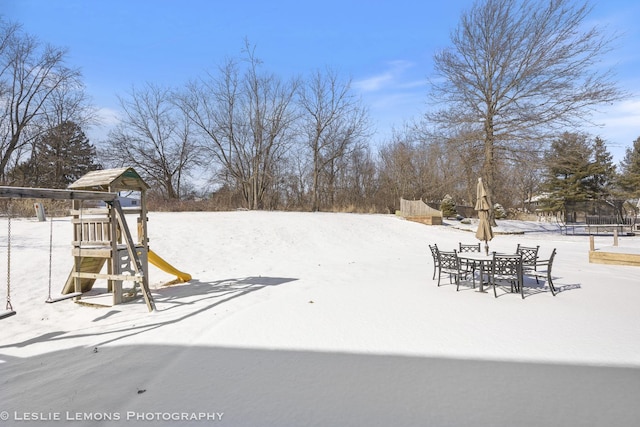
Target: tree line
x=511, y=93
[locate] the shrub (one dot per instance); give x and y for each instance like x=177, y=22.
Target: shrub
x=448, y=207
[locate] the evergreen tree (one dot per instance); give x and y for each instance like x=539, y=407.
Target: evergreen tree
x=579, y=170
x=602, y=172
x=629, y=178
x=568, y=163
x=61, y=156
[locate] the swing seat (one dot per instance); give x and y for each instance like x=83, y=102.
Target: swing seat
x=6, y=313
x=51, y=300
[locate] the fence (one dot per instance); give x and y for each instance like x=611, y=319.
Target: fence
x=601, y=220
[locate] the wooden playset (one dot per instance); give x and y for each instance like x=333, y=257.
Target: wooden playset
x=101, y=235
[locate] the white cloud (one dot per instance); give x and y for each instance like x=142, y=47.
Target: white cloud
x=108, y=116
x=395, y=96
x=374, y=83
x=388, y=78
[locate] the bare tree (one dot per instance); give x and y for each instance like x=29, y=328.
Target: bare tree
x=518, y=71
x=30, y=73
x=333, y=122
x=68, y=102
x=155, y=136
x=245, y=121
x=7, y=38
x=67, y=107
x=397, y=171
x=412, y=165
x=357, y=180
x=519, y=182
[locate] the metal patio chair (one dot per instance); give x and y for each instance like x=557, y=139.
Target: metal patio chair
x=448, y=264
x=469, y=248
x=529, y=258
x=544, y=270
x=436, y=261
x=469, y=266
x=506, y=269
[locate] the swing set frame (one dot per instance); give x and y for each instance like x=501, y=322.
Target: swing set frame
x=117, y=221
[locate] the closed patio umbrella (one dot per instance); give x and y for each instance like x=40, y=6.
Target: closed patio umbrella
x=484, y=232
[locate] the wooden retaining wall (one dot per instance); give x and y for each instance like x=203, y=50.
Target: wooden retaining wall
x=614, y=255
x=429, y=220
x=419, y=211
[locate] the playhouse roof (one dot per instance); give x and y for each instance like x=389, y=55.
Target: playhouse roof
x=111, y=180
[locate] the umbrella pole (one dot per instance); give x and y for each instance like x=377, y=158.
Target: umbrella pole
x=486, y=248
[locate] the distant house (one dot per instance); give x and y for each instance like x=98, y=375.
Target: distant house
x=536, y=204
x=128, y=201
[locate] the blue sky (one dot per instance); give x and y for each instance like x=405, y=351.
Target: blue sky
x=385, y=47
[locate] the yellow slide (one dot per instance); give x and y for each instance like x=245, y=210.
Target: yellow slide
x=165, y=266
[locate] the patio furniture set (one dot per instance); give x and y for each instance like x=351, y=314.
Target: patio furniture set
x=468, y=264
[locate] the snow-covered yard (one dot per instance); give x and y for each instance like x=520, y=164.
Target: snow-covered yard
x=309, y=319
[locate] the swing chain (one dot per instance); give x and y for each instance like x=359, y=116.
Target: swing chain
x=50, y=251
x=9, y=307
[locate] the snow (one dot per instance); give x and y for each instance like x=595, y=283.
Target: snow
x=310, y=319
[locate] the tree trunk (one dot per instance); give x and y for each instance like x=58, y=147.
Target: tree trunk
x=488, y=169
